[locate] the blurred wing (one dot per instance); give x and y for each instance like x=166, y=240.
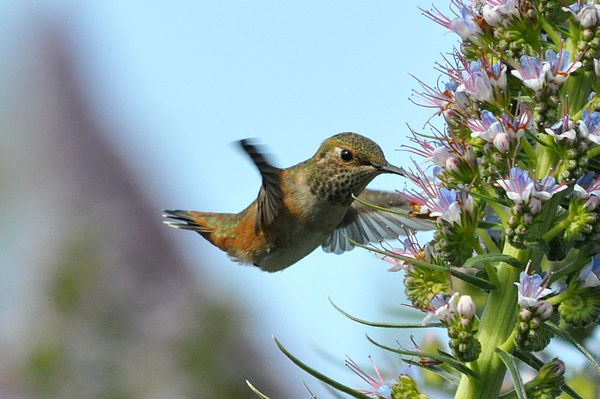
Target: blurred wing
x=270, y=196
x=364, y=224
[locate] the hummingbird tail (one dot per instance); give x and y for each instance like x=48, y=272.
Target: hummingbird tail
x=184, y=220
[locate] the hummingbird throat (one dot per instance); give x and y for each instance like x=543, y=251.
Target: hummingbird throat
x=337, y=184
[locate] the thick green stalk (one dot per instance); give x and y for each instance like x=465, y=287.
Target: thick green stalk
x=496, y=324
x=545, y=156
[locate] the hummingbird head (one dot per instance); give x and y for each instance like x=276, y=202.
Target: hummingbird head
x=344, y=165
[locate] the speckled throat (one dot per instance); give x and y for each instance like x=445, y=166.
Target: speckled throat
x=336, y=184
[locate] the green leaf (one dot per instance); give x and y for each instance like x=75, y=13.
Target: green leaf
x=489, y=198
x=337, y=385
x=565, y=334
x=383, y=325
x=490, y=226
x=467, y=278
x=256, y=391
x=494, y=258
x=511, y=365
x=444, y=358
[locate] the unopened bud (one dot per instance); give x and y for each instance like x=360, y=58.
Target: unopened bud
x=502, y=142
x=535, y=206
x=544, y=309
x=452, y=164
x=588, y=16
x=466, y=307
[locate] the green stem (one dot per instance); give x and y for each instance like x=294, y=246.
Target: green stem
x=497, y=207
x=497, y=323
x=594, y=152
x=557, y=299
x=510, y=342
x=557, y=228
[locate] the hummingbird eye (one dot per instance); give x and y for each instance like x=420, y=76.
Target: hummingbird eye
x=346, y=155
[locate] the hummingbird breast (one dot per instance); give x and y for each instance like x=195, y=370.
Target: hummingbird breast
x=304, y=224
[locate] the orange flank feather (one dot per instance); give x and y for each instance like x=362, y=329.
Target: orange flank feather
x=232, y=233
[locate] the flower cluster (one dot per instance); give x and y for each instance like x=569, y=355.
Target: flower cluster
x=511, y=184
x=514, y=181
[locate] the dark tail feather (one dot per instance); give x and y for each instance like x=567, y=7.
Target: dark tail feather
x=182, y=220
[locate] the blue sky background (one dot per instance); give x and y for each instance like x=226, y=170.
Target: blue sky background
x=183, y=80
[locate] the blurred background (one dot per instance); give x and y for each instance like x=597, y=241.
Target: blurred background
x=112, y=111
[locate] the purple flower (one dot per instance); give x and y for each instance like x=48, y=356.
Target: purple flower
x=563, y=129
x=518, y=186
x=531, y=289
x=590, y=274
x=379, y=386
x=497, y=12
x=532, y=72
x=560, y=68
x=589, y=126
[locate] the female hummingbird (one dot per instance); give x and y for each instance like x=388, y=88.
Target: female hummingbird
x=307, y=205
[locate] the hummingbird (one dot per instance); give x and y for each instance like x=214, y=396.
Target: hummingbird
x=307, y=205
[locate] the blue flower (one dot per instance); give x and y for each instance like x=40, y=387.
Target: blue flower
x=497, y=12
x=477, y=84
x=464, y=24
x=563, y=129
x=589, y=126
x=518, y=186
x=487, y=127
x=560, y=67
x=590, y=274
x=532, y=72
x=531, y=289
x=547, y=187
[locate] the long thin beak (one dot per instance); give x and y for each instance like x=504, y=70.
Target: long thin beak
x=391, y=169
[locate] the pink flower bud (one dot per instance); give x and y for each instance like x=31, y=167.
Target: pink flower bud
x=544, y=309
x=466, y=307
x=535, y=206
x=452, y=164
x=588, y=16
x=502, y=142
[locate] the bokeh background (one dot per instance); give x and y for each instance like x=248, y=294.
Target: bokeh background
x=111, y=111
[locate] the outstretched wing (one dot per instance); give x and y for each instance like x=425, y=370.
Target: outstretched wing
x=364, y=224
x=270, y=196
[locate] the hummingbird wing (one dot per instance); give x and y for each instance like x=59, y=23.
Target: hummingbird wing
x=270, y=196
x=364, y=224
